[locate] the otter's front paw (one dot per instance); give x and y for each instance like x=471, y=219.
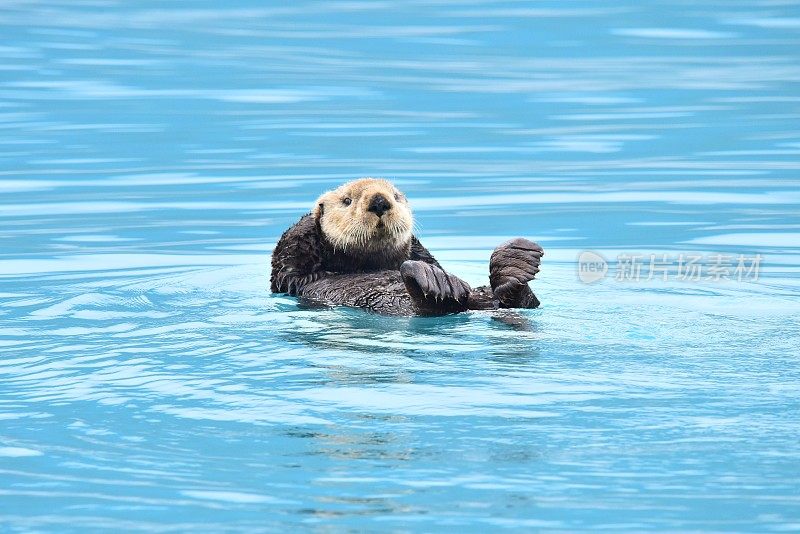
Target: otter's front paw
x=432, y=288
x=516, y=261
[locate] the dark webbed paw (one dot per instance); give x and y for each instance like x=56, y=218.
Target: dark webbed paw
x=512, y=265
x=516, y=260
x=432, y=288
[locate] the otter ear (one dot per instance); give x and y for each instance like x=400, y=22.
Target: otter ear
x=319, y=207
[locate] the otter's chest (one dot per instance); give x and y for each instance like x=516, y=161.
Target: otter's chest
x=363, y=262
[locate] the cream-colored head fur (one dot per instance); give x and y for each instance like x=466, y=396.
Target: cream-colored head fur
x=348, y=224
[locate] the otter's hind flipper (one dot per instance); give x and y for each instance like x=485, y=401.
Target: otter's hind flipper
x=512, y=265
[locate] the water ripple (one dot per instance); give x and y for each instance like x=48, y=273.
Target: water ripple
x=151, y=156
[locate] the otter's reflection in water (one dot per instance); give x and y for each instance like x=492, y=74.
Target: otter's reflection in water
x=498, y=334
x=397, y=384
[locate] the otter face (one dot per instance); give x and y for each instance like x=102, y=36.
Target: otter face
x=365, y=214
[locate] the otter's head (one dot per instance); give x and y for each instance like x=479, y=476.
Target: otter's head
x=365, y=214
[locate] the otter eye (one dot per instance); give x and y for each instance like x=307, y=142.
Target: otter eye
x=347, y=201
x=398, y=197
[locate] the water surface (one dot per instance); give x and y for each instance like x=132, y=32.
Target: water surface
x=152, y=153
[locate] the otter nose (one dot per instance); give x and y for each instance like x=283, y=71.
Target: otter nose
x=379, y=205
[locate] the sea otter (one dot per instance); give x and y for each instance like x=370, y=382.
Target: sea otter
x=356, y=248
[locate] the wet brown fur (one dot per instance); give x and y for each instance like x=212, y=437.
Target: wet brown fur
x=344, y=254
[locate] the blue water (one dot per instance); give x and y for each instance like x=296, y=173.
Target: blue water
x=152, y=153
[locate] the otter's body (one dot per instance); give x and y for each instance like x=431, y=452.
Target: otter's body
x=356, y=249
